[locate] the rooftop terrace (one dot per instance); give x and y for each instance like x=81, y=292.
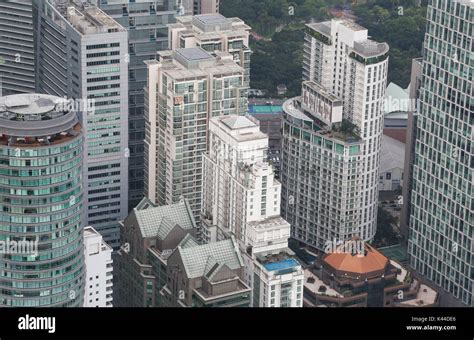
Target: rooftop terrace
x=42, y=119
x=345, y=131
x=281, y=263
x=317, y=286
x=426, y=296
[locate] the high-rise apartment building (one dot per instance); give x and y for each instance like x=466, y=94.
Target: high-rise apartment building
x=146, y=22
x=332, y=136
x=206, y=6
x=195, y=7
x=238, y=184
x=83, y=55
x=185, y=89
x=441, y=225
x=213, y=32
x=98, y=285
x=17, y=52
x=41, y=199
x=241, y=199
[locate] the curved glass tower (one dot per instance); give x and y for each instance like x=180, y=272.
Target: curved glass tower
x=41, y=245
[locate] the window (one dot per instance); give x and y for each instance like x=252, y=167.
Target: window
x=388, y=175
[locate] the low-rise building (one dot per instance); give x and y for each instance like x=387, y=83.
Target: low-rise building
x=392, y=162
x=98, y=262
x=208, y=275
x=149, y=235
x=350, y=277
x=161, y=263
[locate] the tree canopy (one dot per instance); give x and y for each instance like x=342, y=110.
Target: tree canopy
x=278, y=47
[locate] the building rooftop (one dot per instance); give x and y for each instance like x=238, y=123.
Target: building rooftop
x=290, y=108
x=214, y=19
x=235, y=122
x=194, y=54
x=84, y=17
x=28, y=106
x=293, y=108
x=37, y=115
x=364, y=47
x=317, y=286
x=240, y=288
x=273, y=222
x=281, y=262
x=281, y=265
x=145, y=203
x=192, y=63
x=426, y=296
x=399, y=134
x=212, y=22
x=240, y=128
x=188, y=241
x=352, y=25
x=403, y=272
x=203, y=260
x=321, y=27
x=367, y=261
x=160, y=221
x=369, y=48
x=211, y=26
x=392, y=155
x=91, y=234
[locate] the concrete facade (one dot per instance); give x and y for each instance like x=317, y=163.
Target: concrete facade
x=17, y=52
x=332, y=136
x=185, y=89
x=98, y=261
x=83, y=53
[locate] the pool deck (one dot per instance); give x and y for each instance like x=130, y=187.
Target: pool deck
x=280, y=265
x=265, y=109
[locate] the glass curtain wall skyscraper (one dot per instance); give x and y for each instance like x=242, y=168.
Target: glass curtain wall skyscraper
x=441, y=229
x=41, y=200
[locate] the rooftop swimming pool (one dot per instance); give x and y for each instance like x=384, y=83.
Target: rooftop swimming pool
x=281, y=265
x=265, y=109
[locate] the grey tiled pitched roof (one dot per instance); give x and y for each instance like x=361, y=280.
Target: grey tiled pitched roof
x=204, y=257
x=159, y=221
x=238, y=122
x=145, y=203
x=188, y=241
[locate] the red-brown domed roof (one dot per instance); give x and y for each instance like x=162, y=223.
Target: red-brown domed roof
x=362, y=262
